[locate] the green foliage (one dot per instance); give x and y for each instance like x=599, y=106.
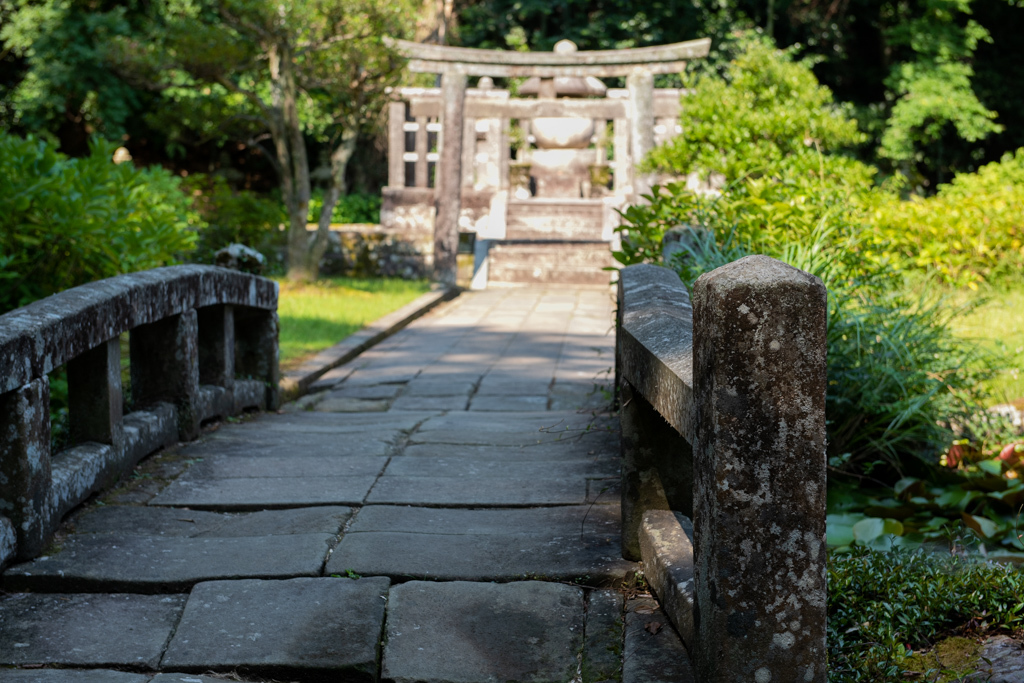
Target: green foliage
x=971, y=230
x=234, y=217
x=883, y=605
x=351, y=208
x=765, y=115
x=65, y=222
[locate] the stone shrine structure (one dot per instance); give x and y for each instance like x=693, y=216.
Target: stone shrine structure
x=537, y=181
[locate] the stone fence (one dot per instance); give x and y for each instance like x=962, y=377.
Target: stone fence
x=203, y=344
x=723, y=421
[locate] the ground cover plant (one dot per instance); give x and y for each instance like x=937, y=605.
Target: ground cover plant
x=317, y=315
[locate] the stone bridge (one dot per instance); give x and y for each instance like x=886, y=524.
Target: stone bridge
x=455, y=504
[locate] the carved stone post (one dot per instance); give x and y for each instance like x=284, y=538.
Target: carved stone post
x=256, y=350
x=657, y=467
x=217, y=346
x=94, y=395
x=165, y=367
x=396, y=144
x=759, y=451
x=25, y=474
x=449, y=189
x=640, y=84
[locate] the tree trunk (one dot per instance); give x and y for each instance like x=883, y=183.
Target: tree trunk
x=290, y=146
x=339, y=163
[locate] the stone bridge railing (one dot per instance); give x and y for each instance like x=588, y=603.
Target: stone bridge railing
x=203, y=344
x=723, y=421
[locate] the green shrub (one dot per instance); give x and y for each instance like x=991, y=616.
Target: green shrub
x=883, y=605
x=236, y=217
x=65, y=222
x=350, y=208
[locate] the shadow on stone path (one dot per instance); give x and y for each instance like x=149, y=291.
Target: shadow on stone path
x=443, y=508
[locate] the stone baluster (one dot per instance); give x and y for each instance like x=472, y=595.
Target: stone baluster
x=421, y=175
x=165, y=367
x=396, y=144
x=25, y=474
x=759, y=463
x=256, y=350
x=95, y=404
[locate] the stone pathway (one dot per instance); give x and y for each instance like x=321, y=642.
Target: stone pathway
x=443, y=508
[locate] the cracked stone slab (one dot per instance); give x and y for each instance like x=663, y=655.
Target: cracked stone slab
x=97, y=630
x=527, y=632
x=157, y=521
x=73, y=676
x=105, y=562
x=265, y=492
x=604, y=450
x=654, y=652
x=364, y=442
x=558, y=543
x=602, y=649
x=450, y=402
x=464, y=468
x=440, y=387
x=352, y=405
x=492, y=403
x=297, y=465
x=507, y=491
x=514, y=429
x=298, y=627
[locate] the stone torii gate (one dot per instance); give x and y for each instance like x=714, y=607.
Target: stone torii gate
x=454, y=64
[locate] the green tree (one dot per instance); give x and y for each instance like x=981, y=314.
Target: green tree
x=307, y=67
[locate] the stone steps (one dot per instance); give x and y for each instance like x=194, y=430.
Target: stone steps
x=549, y=262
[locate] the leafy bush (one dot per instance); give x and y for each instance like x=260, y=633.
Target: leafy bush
x=65, y=222
x=235, y=217
x=351, y=208
x=971, y=230
x=883, y=605
x=897, y=377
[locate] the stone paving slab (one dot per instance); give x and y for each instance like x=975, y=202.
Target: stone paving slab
x=74, y=676
x=162, y=564
x=298, y=627
x=352, y=405
x=255, y=493
x=293, y=465
x=450, y=386
x=653, y=652
x=512, y=429
x=269, y=443
x=476, y=632
x=102, y=630
x=503, y=491
x=559, y=544
x=571, y=450
x=602, y=648
x=506, y=403
x=156, y=521
x=461, y=468
x=454, y=402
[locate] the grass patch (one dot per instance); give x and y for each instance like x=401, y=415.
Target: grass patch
x=318, y=315
x=998, y=323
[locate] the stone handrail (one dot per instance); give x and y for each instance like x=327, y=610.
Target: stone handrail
x=203, y=344
x=723, y=420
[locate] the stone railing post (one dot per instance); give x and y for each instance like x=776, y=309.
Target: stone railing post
x=95, y=405
x=165, y=367
x=256, y=351
x=759, y=463
x=217, y=346
x=25, y=474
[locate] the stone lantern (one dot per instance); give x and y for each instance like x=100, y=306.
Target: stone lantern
x=561, y=162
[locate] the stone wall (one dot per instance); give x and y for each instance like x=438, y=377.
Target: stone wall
x=203, y=344
x=723, y=421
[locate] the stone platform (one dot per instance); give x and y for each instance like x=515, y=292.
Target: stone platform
x=443, y=508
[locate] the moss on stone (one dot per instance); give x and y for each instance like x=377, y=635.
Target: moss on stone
x=950, y=660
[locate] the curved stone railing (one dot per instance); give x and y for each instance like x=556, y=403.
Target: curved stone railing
x=203, y=344
x=723, y=420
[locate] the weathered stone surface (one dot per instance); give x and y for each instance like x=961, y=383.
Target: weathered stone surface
x=593, y=448
x=759, y=459
x=492, y=403
x=282, y=628
x=191, y=678
x=501, y=491
x=86, y=630
x=25, y=468
x=525, y=631
x=283, y=466
x=352, y=405
x=45, y=334
x=653, y=651
x=8, y=542
x=165, y=367
x=655, y=341
x=256, y=493
x=657, y=467
x=73, y=676
x=666, y=548
x=562, y=543
x=431, y=402
x=514, y=429
x=148, y=430
x=462, y=468
x=602, y=649
x=440, y=387
x=1001, y=661
x=106, y=562
x=154, y=521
